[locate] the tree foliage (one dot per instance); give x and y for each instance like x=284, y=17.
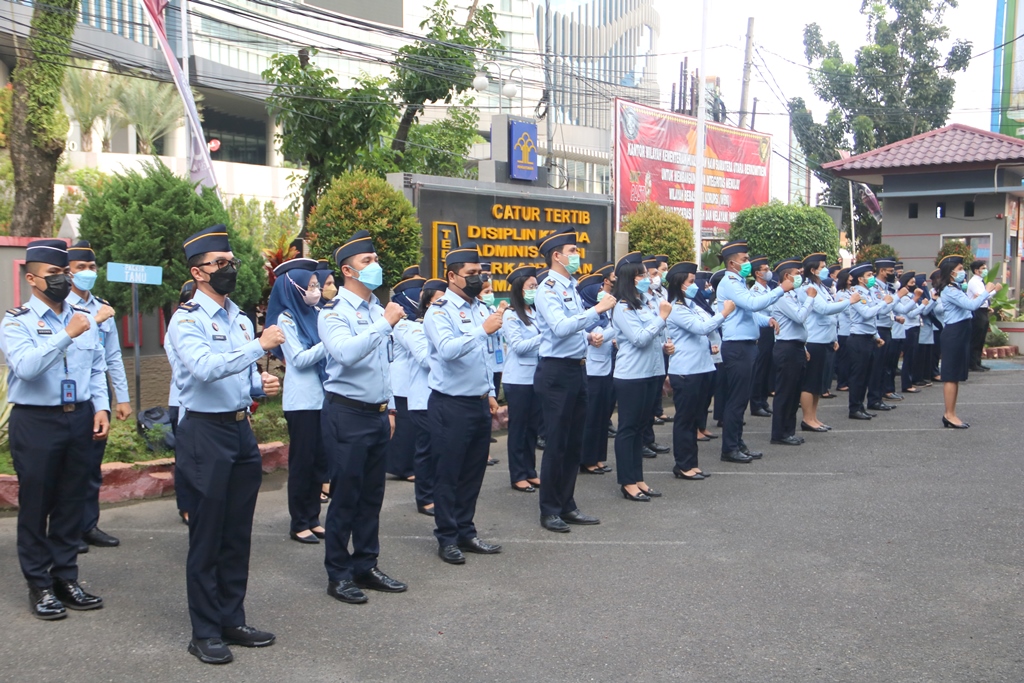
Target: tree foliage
x=897, y=86
x=869, y=253
x=154, y=108
x=780, y=231
x=264, y=225
x=90, y=94
x=359, y=201
x=656, y=230
x=145, y=218
x=958, y=247
x=438, y=148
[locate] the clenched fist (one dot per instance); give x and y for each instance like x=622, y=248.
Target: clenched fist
x=492, y=323
x=855, y=298
x=271, y=383
x=393, y=313
x=812, y=292
x=728, y=306
x=596, y=338
x=664, y=309
x=271, y=338
x=78, y=325
x=105, y=313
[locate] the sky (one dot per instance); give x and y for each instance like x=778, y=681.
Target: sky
x=778, y=32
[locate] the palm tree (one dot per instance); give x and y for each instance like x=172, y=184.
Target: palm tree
x=153, y=108
x=91, y=94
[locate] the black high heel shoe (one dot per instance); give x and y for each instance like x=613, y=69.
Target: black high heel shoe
x=640, y=497
x=949, y=425
x=584, y=469
x=692, y=477
x=651, y=492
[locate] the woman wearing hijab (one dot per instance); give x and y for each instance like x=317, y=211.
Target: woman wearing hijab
x=293, y=299
x=328, y=290
x=926, y=337
x=401, y=448
x=958, y=313
x=410, y=338
x=691, y=367
x=524, y=407
x=600, y=384
x=701, y=304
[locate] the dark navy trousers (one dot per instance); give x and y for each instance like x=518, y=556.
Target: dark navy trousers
x=52, y=453
x=220, y=461
x=600, y=404
x=860, y=357
x=91, y=509
x=423, y=458
x=306, y=463
x=460, y=437
x=877, y=379
x=561, y=384
x=789, y=361
x=690, y=395
x=636, y=398
x=910, y=347
x=524, y=417
x=738, y=363
x=764, y=375
x=842, y=365
x=356, y=444
x=402, y=447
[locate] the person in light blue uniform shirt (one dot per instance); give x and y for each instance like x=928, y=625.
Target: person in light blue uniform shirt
x=639, y=323
x=57, y=387
x=215, y=449
x=600, y=383
x=913, y=304
x=822, y=339
x=496, y=357
x=957, y=319
x=903, y=305
x=462, y=402
x=885, y=275
x=844, y=290
x=356, y=331
x=692, y=365
x=863, y=338
x=411, y=337
x=185, y=294
x=702, y=305
x=82, y=262
x=739, y=346
x=657, y=269
x=519, y=327
x=763, y=379
x=561, y=378
x=926, y=337
x=292, y=307
x=402, y=447
x=789, y=357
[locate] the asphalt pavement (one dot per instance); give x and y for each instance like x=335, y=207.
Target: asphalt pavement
x=882, y=551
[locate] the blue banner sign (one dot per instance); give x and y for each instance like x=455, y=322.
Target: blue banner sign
x=135, y=274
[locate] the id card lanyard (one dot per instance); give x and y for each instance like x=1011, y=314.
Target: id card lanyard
x=68, y=388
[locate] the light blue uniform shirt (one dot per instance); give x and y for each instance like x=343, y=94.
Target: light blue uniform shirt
x=172, y=359
x=957, y=306
x=600, y=359
x=845, y=315
x=903, y=306
x=639, y=334
x=913, y=314
x=689, y=331
x=110, y=343
x=825, y=310
x=303, y=388
x=36, y=347
x=358, y=340
x=927, y=334
x=401, y=366
x=864, y=313
x=412, y=339
x=217, y=353
x=791, y=313
x=561, y=318
x=742, y=325
x=523, y=342
x=458, y=347
x=879, y=292
x=496, y=348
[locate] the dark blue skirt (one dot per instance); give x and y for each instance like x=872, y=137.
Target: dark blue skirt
x=956, y=351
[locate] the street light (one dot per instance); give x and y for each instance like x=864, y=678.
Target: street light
x=482, y=82
x=510, y=90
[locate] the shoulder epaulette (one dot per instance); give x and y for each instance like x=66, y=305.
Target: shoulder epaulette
x=102, y=301
x=189, y=306
x=20, y=310
x=287, y=314
x=82, y=309
x=439, y=302
x=549, y=282
x=331, y=304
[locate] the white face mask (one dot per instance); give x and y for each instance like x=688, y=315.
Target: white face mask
x=656, y=282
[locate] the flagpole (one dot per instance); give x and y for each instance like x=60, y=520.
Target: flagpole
x=185, y=70
x=702, y=118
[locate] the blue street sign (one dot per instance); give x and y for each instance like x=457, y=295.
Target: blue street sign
x=135, y=274
x=522, y=153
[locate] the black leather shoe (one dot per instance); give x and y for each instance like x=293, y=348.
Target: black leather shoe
x=761, y=412
x=984, y=368
x=346, y=591
x=491, y=462
x=786, y=441
x=554, y=523
x=828, y=428
x=45, y=605
x=607, y=469
x=736, y=456
x=376, y=580
x=884, y=407
x=585, y=469
x=73, y=597
x=524, y=489
x=753, y=455
x=247, y=636
x=97, y=537
x=640, y=497
x=952, y=425
x=893, y=397
x=804, y=427
x=648, y=453
x=653, y=493
x=799, y=438
x=541, y=443
x=475, y=545
x=83, y=547
x=860, y=415
x=309, y=540
x=658, y=448
x=451, y=554
x=577, y=517
x=682, y=475
x=210, y=650
x=611, y=433
x=423, y=510
x=659, y=420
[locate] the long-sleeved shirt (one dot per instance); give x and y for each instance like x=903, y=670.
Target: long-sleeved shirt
x=412, y=337
x=359, y=347
x=689, y=331
x=976, y=288
x=927, y=334
x=458, y=347
x=791, y=314
x=639, y=333
x=879, y=292
x=957, y=306
x=109, y=341
x=561, y=318
x=523, y=342
x=825, y=311
x=303, y=388
x=742, y=324
x=844, y=317
x=864, y=313
x=600, y=359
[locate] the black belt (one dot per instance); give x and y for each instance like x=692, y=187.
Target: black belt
x=740, y=341
x=866, y=334
x=66, y=408
x=358, y=405
x=564, y=361
x=789, y=341
x=231, y=416
x=464, y=398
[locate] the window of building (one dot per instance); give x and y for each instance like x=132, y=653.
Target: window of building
x=940, y=209
x=912, y=211
x=968, y=209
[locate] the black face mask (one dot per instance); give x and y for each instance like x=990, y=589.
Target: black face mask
x=474, y=285
x=891, y=277
x=57, y=287
x=224, y=280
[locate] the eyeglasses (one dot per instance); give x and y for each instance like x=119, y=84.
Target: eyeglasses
x=222, y=263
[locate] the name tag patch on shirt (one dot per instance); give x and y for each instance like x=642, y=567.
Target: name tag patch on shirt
x=220, y=337
x=44, y=331
x=362, y=322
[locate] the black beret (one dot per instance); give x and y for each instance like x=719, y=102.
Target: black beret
x=521, y=272
x=606, y=269
x=816, y=257
x=885, y=263
x=81, y=251
x=717, y=276
x=409, y=283
x=557, y=239
x=631, y=257
x=651, y=261
x=214, y=238
x=54, y=252
x=188, y=290
x=736, y=247
x=786, y=263
x=685, y=267
x=758, y=261
x=467, y=253
x=434, y=285
x=359, y=243
x=296, y=264
x=955, y=259
x=860, y=269
x=411, y=271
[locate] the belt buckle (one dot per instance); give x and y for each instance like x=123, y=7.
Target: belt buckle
x=583, y=361
x=239, y=415
x=382, y=407
x=69, y=407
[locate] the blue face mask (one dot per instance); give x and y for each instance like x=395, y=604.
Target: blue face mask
x=643, y=285
x=961, y=275
x=372, y=276
x=574, y=264
x=767, y=276
x=691, y=290
x=823, y=273
x=84, y=279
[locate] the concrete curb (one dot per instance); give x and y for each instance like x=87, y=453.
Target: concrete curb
x=999, y=352
x=148, y=479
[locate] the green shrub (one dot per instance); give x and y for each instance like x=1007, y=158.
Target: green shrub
x=958, y=247
x=359, y=201
x=996, y=337
x=268, y=423
x=869, y=253
x=779, y=231
x=655, y=230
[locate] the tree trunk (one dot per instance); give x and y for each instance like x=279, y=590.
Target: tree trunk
x=398, y=144
x=86, y=137
x=35, y=168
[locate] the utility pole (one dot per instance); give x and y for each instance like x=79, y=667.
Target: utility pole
x=702, y=117
x=753, y=114
x=549, y=88
x=185, y=74
x=748, y=61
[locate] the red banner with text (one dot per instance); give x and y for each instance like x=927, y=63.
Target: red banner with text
x=655, y=160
